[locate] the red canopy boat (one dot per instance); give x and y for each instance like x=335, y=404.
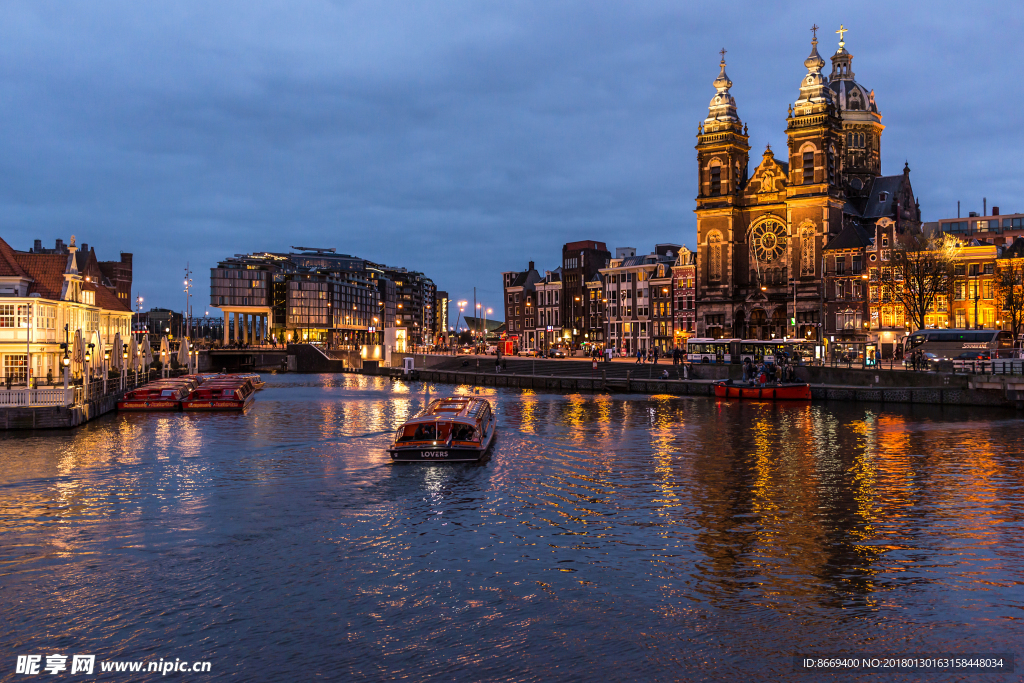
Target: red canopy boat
x=763, y=392
x=221, y=394
x=160, y=395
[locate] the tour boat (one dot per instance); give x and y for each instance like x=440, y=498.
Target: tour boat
x=224, y=393
x=159, y=395
x=763, y=392
x=257, y=381
x=455, y=429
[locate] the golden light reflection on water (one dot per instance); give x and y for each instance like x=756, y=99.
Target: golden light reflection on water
x=822, y=522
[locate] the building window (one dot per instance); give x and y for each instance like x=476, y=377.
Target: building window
x=808, y=167
x=715, y=256
x=807, y=252
x=716, y=180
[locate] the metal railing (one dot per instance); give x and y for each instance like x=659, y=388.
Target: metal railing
x=989, y=367
x=51, y=396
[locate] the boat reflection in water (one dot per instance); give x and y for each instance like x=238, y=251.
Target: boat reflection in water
x=456, y=429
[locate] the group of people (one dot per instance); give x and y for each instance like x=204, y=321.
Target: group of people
x=652, y=355
x=765, y=373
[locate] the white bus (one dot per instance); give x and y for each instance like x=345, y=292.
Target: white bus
x=702, y=350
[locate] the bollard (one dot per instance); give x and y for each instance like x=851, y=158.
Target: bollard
x=604, y=380
x=629, y=375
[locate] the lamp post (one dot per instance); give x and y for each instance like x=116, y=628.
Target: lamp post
x=66, y=362
x=462, y=308
x=574, y=334
x=28, y=347
x=138, y=308
x=187, y=314
x=487, y=312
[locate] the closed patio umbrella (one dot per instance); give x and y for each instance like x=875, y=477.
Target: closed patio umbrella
x=133, y=354
x=183, y=355
x=97, y=353
x=117, y=354
x=165, y=350
x=78, y=349
x=147, y=352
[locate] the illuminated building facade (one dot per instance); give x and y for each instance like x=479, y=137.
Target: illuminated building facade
x=684, y=276
x=761, y=267
x=41, y=293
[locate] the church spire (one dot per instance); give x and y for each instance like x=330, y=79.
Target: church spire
x=814, y=91
x=722, y=110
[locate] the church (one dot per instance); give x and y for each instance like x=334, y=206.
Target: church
x=762, y=237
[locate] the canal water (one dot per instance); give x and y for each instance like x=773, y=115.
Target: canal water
x=607, y=538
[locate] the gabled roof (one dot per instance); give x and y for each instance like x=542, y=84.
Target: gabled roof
x=876, y=206
x=47, y=270
x=9, y=266
x=1015, y=250
x=520, y=279
x=852, y=236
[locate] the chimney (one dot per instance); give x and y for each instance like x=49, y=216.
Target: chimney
x=37, y=246
x=984, y=206
x=995, y=210
x=531, y=266
x=85, y=248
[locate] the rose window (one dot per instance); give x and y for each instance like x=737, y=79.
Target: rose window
x=769, y=240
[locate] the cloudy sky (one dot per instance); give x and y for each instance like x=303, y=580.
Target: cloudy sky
x=458, y=138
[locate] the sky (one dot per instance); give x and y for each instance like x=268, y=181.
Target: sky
x=462, y=139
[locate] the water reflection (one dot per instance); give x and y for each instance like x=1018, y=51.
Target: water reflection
x=607, y=535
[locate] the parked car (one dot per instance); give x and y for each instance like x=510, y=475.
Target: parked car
x=492, y=350
x=528, y=352
x=974, y=355
x=931, y=361
x=557, y=352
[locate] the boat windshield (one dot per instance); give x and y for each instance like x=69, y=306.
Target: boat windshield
x=426, y=431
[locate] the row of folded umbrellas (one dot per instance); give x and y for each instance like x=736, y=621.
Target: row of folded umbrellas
x=134, y=358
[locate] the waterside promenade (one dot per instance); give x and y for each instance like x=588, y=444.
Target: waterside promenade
x=827, y=383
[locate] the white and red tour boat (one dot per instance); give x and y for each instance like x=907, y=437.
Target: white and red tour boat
x=455, y=429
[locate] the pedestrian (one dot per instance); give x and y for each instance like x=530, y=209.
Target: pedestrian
x=497, y=360
x=655, y=355
x=639, y=356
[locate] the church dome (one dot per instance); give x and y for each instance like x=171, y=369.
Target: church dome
x=848, y=93
x=852, y=96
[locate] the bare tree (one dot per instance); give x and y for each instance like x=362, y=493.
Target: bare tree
x=920, y=271
x=1010, y=290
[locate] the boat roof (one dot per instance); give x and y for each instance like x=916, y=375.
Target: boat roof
x=468, y=408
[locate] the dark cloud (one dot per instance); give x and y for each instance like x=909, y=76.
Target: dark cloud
x=458, y=138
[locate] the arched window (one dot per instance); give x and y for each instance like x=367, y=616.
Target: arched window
x=807, y=251
x=715, y=256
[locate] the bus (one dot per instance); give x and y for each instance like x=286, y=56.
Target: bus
x=756, y=350
x=701, y=350
x=952, y=343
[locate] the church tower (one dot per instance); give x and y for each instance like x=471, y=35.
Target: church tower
x=722, y=155
x=862, y=123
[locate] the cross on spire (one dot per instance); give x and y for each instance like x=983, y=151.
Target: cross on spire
x=814, y=31
x=842, y=31
x=722, y=52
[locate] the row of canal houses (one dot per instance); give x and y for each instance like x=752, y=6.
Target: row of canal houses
x=632, y=302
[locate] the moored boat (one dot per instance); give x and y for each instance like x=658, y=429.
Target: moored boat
x=229, y=392
x=454, y=429
x=257, y=381
x=158, y=396
x=763, y=392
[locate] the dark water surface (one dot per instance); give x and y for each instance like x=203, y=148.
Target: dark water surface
x=608, y=538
